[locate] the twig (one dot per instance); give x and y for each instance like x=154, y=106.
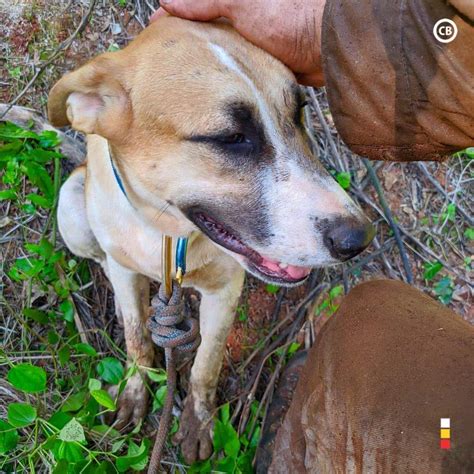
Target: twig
x=59, y=50
x=389, y=217
x=417, y=242
x=439, y=188
x=322, y=120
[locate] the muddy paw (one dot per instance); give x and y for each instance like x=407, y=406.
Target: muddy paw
x=132, y=403
x=194, y=434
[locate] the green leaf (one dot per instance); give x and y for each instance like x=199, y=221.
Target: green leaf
x=272, y=289
x=202, y=467
x=39, y=176
x=157, y=375
x=159, y=398
x=67, y=309
x=75, y=402
x=294, y=346
x=7, y=194
x=336, y=291
x=104, y=399
x=27, y=378
x=444, y=290
x=49, y=139
x=21, y=414
x=225, y=413
x=94, y=384
x=72, y=431
x=469, y=232
x=36, y=315
x=68, y=451
x=226, y=438
x=431, y=270
x=110, y=370
x=64, y=354
x=60, y=419
x=135, y=456
x=10, y=130
x=344, y=179
x=226, y=465
x=244, y=462
x=470, y=152
x=450, y=212
x=86, y=349
x=40, y=201
x=8, y=437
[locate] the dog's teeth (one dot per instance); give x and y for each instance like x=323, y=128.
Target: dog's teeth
x=283, y=265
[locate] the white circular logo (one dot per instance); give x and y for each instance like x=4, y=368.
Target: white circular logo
x=445, y=30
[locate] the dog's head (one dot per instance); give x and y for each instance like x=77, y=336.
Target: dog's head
x=203, y=122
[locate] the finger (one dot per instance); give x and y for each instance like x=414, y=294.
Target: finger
x=204, y=10
x=158, y=14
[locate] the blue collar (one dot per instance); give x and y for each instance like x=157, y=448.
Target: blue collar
x=181, y=244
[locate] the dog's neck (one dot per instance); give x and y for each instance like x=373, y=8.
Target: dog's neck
x=163, y=216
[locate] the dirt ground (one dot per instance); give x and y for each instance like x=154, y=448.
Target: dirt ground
x=419, y=196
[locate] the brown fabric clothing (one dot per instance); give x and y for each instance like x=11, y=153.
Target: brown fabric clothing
x=395, y=91
x=382, y=373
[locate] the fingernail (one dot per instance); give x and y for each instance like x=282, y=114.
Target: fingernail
x=165, y=2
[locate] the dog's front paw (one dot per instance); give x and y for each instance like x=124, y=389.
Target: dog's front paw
x=194, y=434
x=132, y=403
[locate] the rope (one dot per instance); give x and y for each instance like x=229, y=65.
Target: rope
x=172, y=330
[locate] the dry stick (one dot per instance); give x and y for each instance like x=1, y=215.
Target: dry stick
x=438, y=186
x=268, y=393
x=278, y=326
x=417, y=242
x=252, y=383
x=385, y=261
x=59, y=50
x=322, y=120
x=388, y=216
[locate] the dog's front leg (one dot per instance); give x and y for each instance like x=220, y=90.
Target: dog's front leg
x=132, y=294
x=216, y=318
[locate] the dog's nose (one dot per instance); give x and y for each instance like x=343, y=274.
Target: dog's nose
x=347, y=237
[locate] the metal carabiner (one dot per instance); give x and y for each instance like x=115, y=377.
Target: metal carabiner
x=166, y=261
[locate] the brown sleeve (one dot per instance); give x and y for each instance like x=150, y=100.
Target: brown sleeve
x=395, y=92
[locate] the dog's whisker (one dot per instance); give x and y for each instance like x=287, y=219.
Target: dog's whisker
x=162, y=211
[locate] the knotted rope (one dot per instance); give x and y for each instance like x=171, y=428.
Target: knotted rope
x=172, y=330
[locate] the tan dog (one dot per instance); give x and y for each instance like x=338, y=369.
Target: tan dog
x=204, y=130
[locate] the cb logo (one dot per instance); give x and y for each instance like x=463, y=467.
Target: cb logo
x=445, y=30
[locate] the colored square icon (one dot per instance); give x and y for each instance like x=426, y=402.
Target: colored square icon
x=445, y=443
x=445, y=433
x=445, y=422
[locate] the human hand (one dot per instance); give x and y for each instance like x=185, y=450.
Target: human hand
x=290, y=31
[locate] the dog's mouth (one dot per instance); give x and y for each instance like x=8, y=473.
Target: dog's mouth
x=262, y=267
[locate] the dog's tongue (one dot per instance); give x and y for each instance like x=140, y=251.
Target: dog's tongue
x=293, y=271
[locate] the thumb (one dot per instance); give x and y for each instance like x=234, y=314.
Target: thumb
x=203, y=10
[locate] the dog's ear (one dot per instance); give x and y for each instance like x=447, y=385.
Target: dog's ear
x=92, y=98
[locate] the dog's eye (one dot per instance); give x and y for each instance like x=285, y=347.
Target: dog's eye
x=236, y=139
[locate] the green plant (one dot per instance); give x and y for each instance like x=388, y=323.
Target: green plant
x=272, y=289
x=344, y=179
x=242, y=313
x=55, y=424
x=329, y=305
x=431, y=270
x=469, y=233
x=444, y=290
x=233, y=454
